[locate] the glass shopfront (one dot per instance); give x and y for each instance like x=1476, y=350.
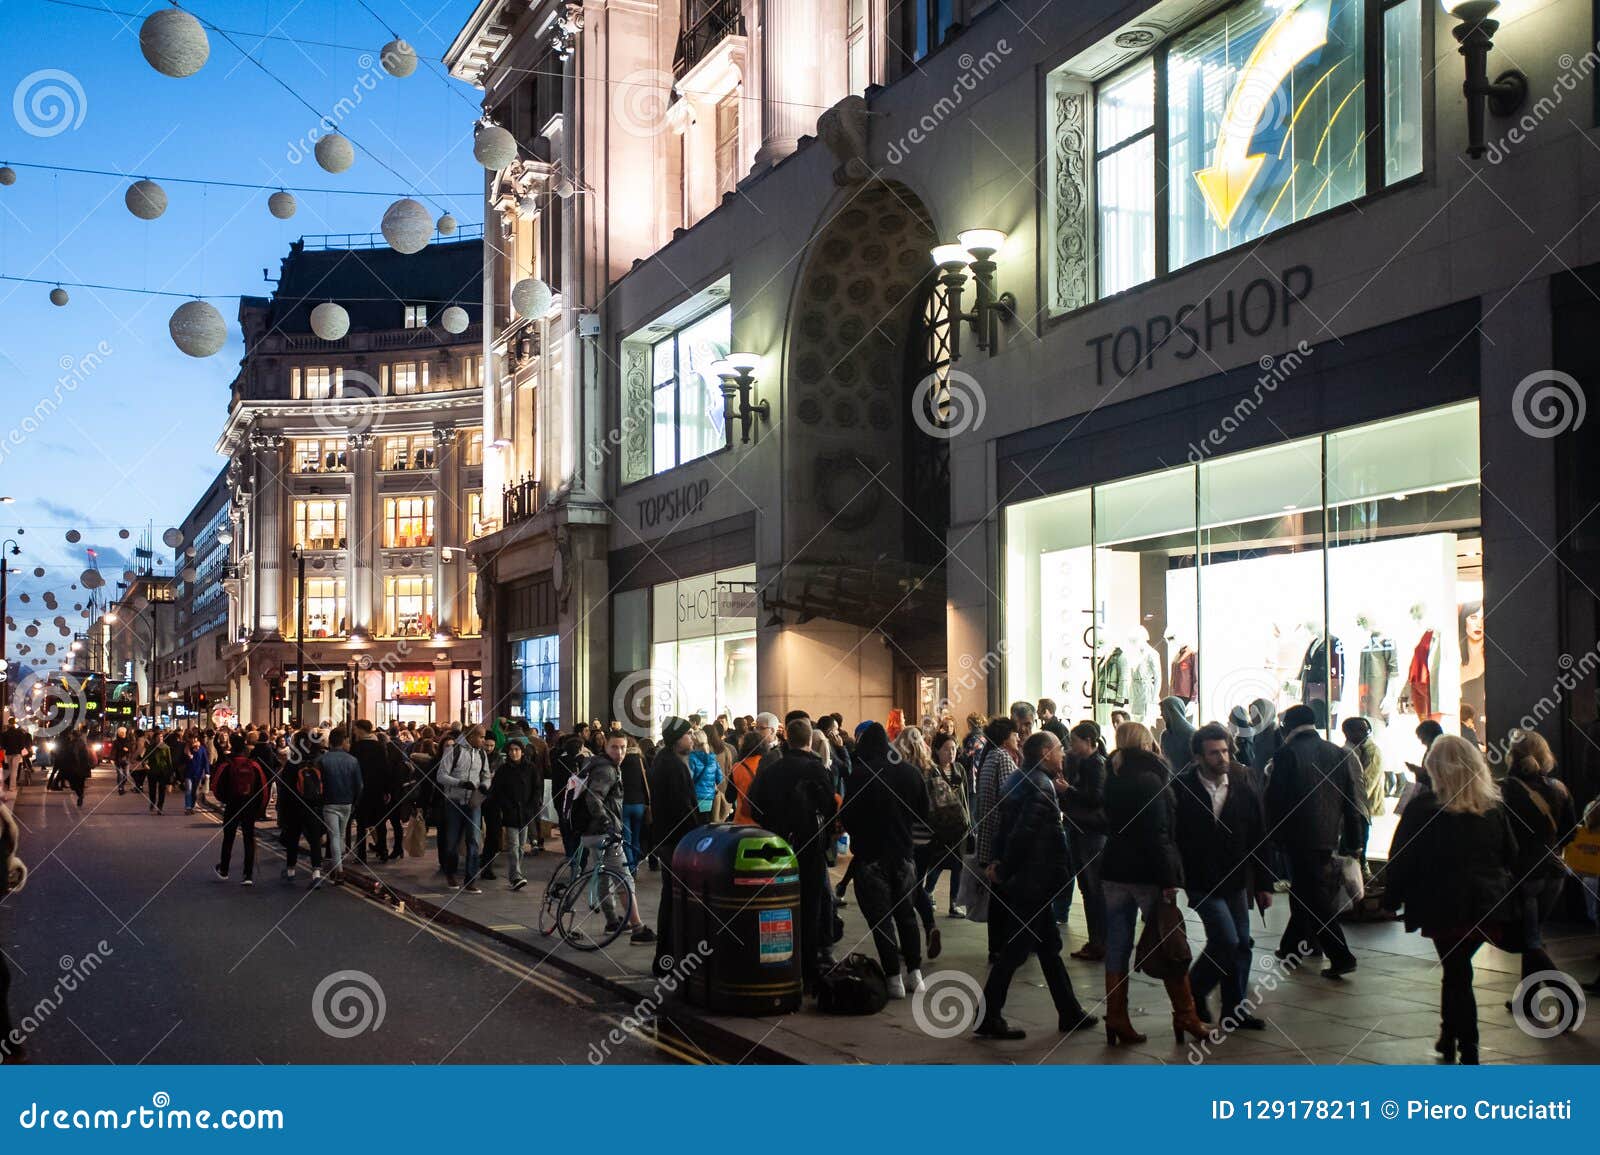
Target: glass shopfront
x=408, y=698
x=536, y=679
x=702, y=655
x=1343, y=571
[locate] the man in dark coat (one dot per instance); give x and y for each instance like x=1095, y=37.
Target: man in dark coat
x=1314, y=809
x=793, y=797
x=76, y=763
x=1220, y=831
x=373, y=805
x=1032, y=866
x=674, y=811
x=516, y=792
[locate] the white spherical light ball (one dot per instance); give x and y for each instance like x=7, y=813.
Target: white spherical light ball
x=334, y=153
x=172, y=538
x=330, y=321
x=407, y=225
x=190, y=573
x=454, y=319
x=146, y=199
x=174, y=42
x=281, y=205
x=494, y=147
x=198, y=329
x=530, y=297
x=8, y=175
x=564, y=188
x=398, y=58
x=58, y=296
x=447, y=225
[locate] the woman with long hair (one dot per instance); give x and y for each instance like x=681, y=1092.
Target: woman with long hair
x=1141, y=868
x=910, y=746
x=1545, y=820
x=1084, y=806
x=1450, y=866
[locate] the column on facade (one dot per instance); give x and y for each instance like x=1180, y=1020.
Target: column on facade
x=445, y=707
x=271, y=529
x=364, y=536
x=448, y=533
x=791, y=71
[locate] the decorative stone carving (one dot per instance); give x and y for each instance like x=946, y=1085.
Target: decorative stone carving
x=564, y=38
x=843, y=129
x=358, y=441
x=847, y=490
x=1072, y=285
x=636, y=412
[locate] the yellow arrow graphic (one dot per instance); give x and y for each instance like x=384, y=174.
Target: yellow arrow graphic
x=1300, y=29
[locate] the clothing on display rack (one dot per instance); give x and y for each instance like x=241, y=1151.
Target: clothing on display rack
x=1184, y=684
x=1144, y=683
x=1111, y=679
x=1422, y=679
x=1322, y=676
x=1380, y=669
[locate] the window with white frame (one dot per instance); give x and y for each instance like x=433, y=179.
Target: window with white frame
x=408, y=606
x=686, y=396
x=1254, y=118
x=322, y=382
x=473, y=453
x=727, y=154
x=327, y=609
x=407, y=522
x=471, y=621
x=416, y=316
x=475, y=526
x=405, y=379
x=319, y=524
x=318, y=455
x=406, y=451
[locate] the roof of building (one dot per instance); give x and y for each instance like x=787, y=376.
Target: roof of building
x=373, y=283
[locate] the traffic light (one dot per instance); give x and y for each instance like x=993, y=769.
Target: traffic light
x=275, y=691
x=474, y=686
x=313, y=686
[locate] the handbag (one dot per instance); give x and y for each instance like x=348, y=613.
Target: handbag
x=974, y=893
x=416, y=836
x=1163, y=950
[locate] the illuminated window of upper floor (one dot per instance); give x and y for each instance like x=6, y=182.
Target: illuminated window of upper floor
x=472, y=452
x=320, y=523
x=475, y=526
x=416, y=316
x=471, y=620
x=406, y=451
x=1251, y=119
x=320, y=383
x=669, y=390
x=408, y=606
x=318, y=454
x=408, y=522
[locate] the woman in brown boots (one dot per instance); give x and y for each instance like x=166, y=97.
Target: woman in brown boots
x=1141, y=868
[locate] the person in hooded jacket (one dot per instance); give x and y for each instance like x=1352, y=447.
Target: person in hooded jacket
x=1084, y=808
x=1176, y=734
x=76, y=762
x=516, y=792
x=243, y=788
x=674, y=811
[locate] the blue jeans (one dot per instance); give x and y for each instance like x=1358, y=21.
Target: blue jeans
x=1539, y=897
x=633, y=832
x=1125, y=902
x=456, y=823
x=1086, y=852
x=191, y=787
x=337, y=820
x=1226, y=958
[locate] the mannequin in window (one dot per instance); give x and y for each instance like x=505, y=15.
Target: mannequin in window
x=1183, y=681
x=1110, y=683
x=1469, y=626
x=1421, y=692
x=1379, y=686
x=1322, y=678
x=1144, y=677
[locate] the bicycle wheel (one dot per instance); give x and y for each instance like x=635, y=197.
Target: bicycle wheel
x=595, y=909
x=550, y=909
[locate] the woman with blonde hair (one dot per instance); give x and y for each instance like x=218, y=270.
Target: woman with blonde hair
x=1545, y=820
x=1450, y=866
x=1140, y=868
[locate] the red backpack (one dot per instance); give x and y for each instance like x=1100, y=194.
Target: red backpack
x=241, y=778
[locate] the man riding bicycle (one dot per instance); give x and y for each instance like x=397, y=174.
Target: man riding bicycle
x=602, y=830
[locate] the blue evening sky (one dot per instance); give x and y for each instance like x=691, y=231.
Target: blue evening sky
x=129, y=443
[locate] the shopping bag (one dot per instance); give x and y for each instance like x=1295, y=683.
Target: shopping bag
x=1163, y=950
x=416, y=838
x=974, y=889
x=1348, y=885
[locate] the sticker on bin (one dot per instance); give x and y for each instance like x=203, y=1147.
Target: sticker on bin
x=777, y=936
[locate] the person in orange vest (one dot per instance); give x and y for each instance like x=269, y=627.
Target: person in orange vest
x=737, y=787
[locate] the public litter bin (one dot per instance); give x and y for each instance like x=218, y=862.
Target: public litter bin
x=738, y=891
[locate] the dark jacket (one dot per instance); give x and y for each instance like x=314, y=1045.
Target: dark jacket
x=1084, y=803
x=517, y=790
x=673, y=808
x=1031, y=845
x=1314, y=795
x=883, y=799
x=1221, y=854
x=793, y=797
x=1451, y=871
x=235, y=796
x=1178, y=732
x=1140, y=809
x=375, y=780
x=1543, y=818
x=341, y=777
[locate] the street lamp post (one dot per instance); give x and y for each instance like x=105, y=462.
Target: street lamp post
x=8, y=550
x=299, y=639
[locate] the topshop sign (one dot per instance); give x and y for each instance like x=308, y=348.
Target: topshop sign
x=1217, y=322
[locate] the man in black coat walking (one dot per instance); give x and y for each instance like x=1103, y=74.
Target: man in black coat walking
x=793, y=797
x=1031, y=866
x=674, y=812
x=1220, y=832
x=1314, y=809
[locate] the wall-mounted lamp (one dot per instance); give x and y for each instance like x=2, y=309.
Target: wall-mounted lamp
x=738, y=374
x=1503, y=95
x=224, y=537
x=975, y=251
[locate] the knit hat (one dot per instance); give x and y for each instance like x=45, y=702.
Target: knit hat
x=673, y=729
x=1299, y=715
x=861, y=729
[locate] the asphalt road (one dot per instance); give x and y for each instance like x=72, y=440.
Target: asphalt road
x=172, y=966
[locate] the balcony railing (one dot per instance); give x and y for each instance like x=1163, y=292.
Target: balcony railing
x=716, y=22
x=321, y=241
x=520, y=500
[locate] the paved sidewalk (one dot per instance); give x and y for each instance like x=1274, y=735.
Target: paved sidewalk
x=1387, y=1012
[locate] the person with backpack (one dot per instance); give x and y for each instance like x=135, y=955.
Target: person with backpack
x=463, y=777
x=948, y=824
x=241, y=785
x=566, y=762
x=157, y=769
x=300, y=798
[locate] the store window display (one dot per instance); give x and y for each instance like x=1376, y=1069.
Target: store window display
x=1323, y=570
